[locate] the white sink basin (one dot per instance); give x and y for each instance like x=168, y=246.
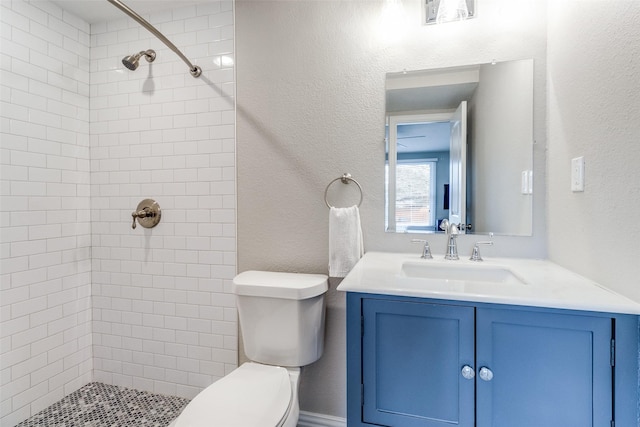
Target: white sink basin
x=523, y=282
x=459, y=273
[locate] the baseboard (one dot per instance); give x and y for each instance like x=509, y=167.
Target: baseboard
x=310, y=419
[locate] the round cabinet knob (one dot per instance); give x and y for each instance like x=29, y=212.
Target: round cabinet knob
x=486, y=374
x=468, y=372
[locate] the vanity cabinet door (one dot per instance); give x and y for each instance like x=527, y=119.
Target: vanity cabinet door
x=412, y=357
x=543, y=369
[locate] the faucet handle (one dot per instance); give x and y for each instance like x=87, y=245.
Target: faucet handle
x=426, y=249
x=475, y=254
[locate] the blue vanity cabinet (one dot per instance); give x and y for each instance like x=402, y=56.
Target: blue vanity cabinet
x=411, y=368
x=543, y=369
x=526, y=367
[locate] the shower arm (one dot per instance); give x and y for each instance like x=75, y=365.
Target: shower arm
x=193, y=69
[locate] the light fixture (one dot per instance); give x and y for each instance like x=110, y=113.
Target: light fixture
x=442, y=11
x=392, y=22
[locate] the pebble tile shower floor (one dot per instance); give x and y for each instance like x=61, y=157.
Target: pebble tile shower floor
x=101, y=405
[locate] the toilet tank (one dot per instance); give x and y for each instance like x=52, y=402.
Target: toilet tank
x=281, y=316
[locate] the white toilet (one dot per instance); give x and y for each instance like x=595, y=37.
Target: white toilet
x=282, y=321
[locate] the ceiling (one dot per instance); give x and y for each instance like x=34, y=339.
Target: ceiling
x=443, y=97
x=423, y=137
x=92, y=11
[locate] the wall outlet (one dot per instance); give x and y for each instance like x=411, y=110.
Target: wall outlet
x=577, y=174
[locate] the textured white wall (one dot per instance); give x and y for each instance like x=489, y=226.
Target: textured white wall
x=164, y=318
x=594, y=111
x=45, y=313
x=311, y=106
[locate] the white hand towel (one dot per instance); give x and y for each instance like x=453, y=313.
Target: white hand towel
x=345, y=240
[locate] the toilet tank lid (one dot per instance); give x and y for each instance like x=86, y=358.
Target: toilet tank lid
x=297, y=286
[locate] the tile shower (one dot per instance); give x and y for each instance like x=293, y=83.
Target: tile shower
x=84, y=297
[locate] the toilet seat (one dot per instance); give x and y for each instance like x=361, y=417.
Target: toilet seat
x=253, y=395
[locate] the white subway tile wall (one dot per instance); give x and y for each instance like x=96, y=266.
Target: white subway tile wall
x=84, y=296
x=164, y=319
x=45, y=269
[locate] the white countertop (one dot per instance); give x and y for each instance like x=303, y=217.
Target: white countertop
x=545, y=284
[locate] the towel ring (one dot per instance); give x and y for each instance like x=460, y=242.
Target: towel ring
x=345, y=178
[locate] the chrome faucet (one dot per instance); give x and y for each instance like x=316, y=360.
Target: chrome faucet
x=452, y=246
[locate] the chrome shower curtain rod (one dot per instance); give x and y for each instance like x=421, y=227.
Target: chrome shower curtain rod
x=193, y=69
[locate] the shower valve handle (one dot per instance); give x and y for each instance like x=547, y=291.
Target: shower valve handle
x=147, y=214
x=141, y=214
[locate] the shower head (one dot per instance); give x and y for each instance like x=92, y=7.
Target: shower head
x=131, y=61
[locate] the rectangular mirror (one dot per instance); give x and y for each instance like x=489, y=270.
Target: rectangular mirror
x=459, y=146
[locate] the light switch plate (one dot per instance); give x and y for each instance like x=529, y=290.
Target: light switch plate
x=526, y=183
x=577, y=174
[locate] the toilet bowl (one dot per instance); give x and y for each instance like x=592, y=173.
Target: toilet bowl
x=254, y=395
x=282, y=321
